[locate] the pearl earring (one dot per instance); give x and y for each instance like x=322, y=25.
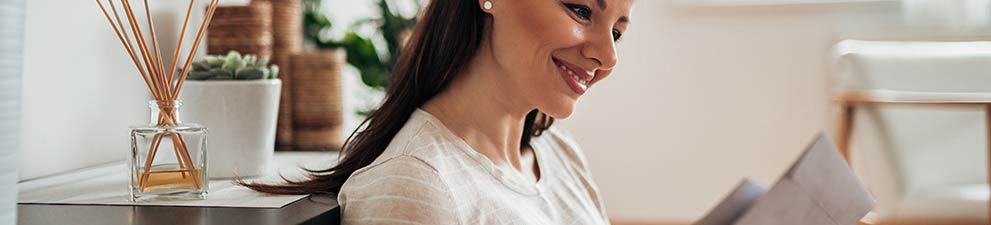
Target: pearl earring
x=487, y=5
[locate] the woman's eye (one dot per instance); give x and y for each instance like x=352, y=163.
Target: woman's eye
x=583, y=12
x=616, y=35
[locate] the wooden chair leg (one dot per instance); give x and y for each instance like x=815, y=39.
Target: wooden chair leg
x=843, y=129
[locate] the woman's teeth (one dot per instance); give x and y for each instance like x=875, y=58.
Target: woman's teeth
x=582, y=82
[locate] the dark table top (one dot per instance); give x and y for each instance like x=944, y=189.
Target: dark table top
x=310, y=210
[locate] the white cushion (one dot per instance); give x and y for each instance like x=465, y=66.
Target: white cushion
x=963, y=202
x=914, y=66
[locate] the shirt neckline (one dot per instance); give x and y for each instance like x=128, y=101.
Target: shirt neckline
x=516, y=183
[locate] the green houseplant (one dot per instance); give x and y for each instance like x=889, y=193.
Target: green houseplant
x=362, y=52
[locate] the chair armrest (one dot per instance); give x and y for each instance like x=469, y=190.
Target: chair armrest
x=913, y=98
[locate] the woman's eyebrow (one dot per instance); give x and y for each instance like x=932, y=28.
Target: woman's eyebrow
x=602, y=6
x=624, y=19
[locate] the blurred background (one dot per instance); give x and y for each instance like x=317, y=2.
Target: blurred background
x=706, y=92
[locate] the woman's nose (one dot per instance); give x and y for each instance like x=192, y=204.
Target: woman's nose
x=602, y=49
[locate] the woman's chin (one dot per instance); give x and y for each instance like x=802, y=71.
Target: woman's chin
x=560, y=111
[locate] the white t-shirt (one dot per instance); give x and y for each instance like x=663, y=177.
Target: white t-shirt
x=427, y=175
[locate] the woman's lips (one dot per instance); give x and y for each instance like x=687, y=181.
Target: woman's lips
x=573, y=76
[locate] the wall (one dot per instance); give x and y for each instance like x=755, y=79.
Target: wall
x=80, y=90
x=706, y=96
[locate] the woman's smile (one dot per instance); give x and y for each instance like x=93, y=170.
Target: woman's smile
x=575, y=77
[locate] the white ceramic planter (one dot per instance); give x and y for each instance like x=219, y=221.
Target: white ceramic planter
x=240, y=117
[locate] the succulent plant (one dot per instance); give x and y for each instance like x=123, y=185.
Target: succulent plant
x=233, y=66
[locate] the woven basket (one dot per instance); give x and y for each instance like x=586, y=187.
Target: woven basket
x=246, y=29
x=287, y=38
x=287, y=28
x=323, y=138
x=317, y=107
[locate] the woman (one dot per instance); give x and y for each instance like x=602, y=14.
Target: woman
x=464, y=135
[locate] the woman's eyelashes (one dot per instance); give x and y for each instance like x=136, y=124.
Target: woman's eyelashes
x=581, y=11
x=584, y=13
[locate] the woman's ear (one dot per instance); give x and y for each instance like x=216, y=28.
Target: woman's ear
x=487, y=5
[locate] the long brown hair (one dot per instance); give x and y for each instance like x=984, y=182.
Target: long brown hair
x=443, y=42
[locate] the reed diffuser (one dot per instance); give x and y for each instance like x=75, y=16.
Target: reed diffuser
x=168, y=157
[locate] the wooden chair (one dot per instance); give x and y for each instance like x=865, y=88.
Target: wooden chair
x=849, y=101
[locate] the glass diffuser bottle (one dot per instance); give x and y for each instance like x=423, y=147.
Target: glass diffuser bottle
x=168, y=157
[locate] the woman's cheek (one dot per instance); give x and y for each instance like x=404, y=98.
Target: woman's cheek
x=565, y=32
x=553, y=26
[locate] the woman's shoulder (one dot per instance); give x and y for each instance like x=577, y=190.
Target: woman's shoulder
x=404, y=183
x=410, y=165
x=420, y=146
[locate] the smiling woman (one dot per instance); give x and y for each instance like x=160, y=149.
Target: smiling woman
x=464, y=135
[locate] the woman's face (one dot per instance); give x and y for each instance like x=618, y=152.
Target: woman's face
x=553, y=51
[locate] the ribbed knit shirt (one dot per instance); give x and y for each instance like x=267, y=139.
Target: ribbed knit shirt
x=428, y=175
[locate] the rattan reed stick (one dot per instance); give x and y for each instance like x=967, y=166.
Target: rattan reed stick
x=142, y=46
x=126, y=42
x=196, y=43
x=155, y=142
x=182, y=34
x=155, y=49
x=180, y=143
x=148, y=73
x=129, y=45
